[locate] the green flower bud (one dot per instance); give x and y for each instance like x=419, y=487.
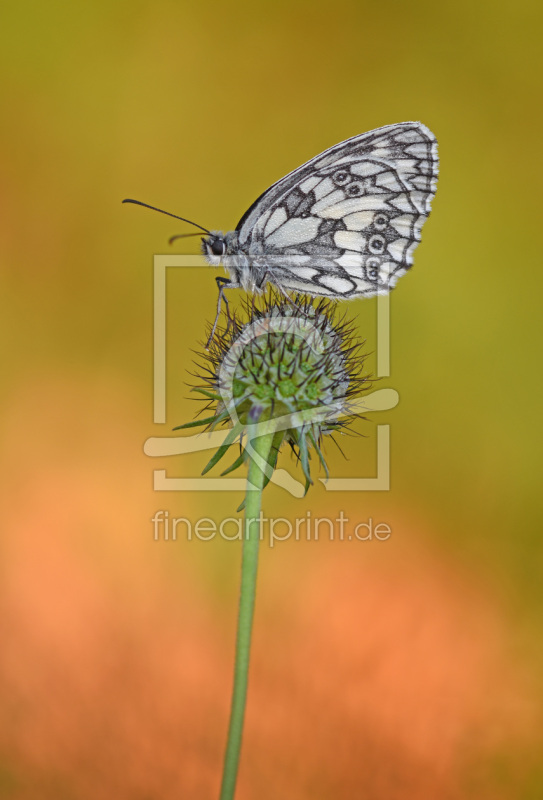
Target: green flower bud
x=291, y=367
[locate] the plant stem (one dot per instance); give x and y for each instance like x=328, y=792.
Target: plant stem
x=249, y=564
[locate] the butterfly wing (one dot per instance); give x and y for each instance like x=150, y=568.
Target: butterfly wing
x=347, y=222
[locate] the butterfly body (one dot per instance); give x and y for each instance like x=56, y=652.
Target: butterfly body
x=345, y=224
x=249, y=268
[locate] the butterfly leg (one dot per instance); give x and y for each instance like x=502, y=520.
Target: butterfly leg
x=266, y=277
x=222, y=284
x=288, y=298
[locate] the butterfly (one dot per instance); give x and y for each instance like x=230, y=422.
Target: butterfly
x=345, y=224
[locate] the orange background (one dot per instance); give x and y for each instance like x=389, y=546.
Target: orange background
x=401, y=669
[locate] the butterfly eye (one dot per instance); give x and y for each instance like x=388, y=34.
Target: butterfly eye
x=380, y=221
x=341, y=177
x=355, y=189
x=377, y=244
x=217, y=247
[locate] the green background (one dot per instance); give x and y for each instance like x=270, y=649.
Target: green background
x=405, y=668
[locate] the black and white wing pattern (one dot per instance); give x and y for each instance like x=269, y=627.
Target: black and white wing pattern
x=347, y=222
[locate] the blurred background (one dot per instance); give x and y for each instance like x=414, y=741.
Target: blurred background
x=406, y=668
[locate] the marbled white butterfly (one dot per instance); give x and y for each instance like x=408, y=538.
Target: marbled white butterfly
x=343, y=225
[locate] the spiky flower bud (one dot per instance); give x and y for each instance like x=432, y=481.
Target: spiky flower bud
x=288, y=367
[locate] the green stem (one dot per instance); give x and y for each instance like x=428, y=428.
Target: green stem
x=249, y=564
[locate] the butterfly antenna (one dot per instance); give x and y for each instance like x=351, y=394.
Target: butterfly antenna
x=172, y=239
x=154, y=208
